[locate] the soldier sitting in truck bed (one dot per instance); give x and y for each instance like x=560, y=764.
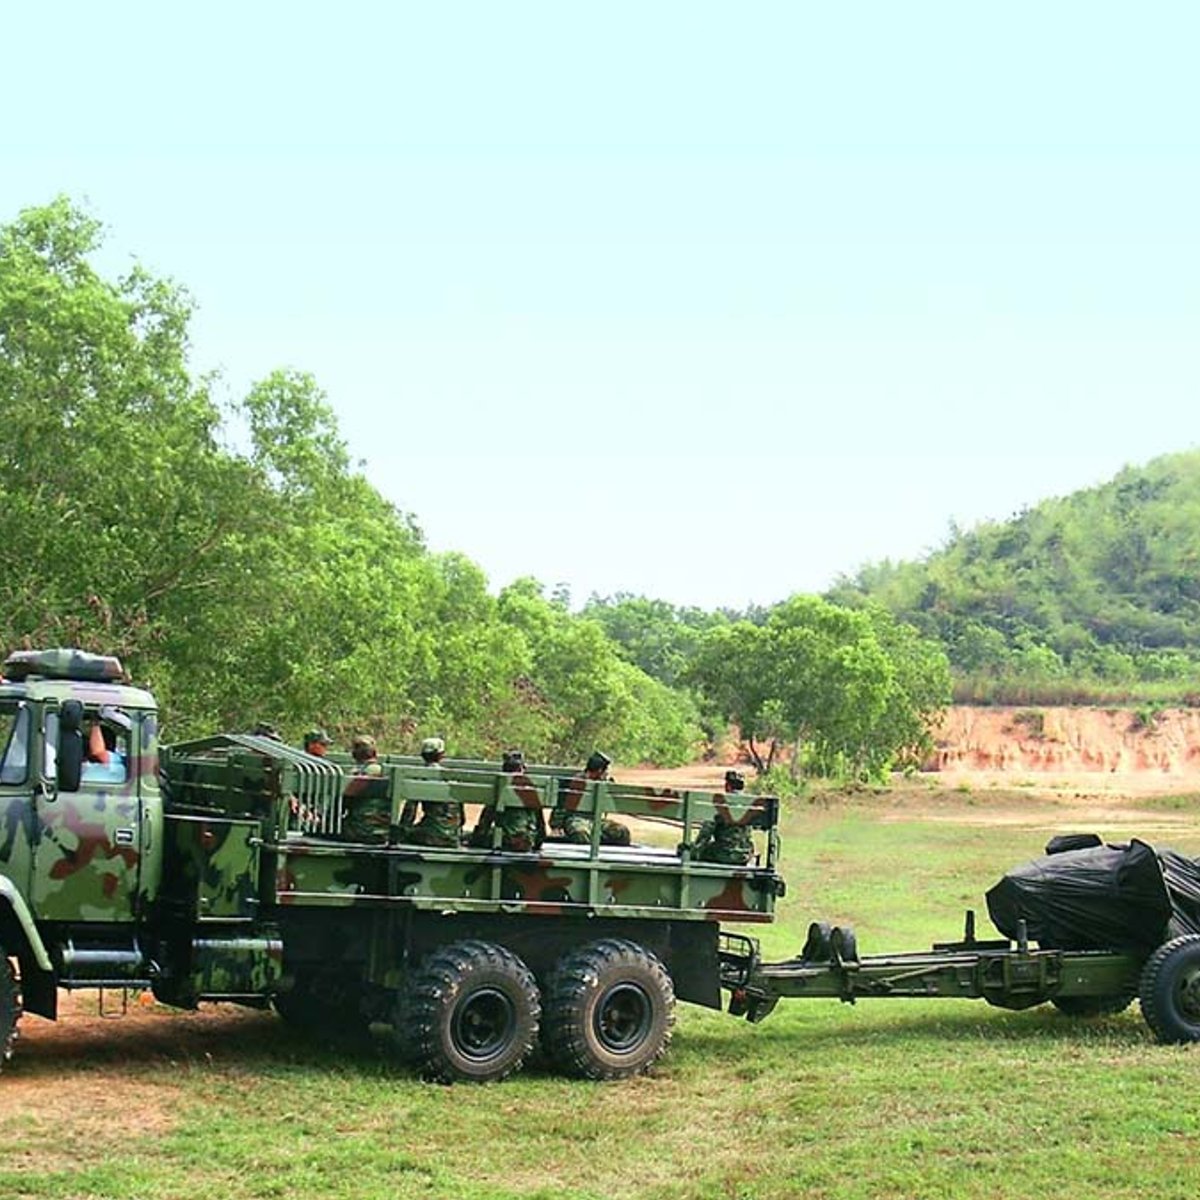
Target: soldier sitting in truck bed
x=441, y=822
x=523, y=826
x=368, y=805
x=574, y=826
x=719, y=840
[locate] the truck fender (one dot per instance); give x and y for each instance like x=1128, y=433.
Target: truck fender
x=10, y=896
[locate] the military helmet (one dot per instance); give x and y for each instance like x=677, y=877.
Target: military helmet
x=317, y=735
x=431, y=747
x=513, y=762
x=363, y=744
x=598, y=762
x=735, y=781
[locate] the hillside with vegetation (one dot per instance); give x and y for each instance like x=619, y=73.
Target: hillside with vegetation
x=1092, y=597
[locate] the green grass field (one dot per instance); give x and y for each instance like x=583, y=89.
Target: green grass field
x=885, y=1099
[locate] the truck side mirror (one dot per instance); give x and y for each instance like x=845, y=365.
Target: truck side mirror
x=70, y=745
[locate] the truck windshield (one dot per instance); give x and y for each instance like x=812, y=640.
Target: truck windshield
x=14, y=738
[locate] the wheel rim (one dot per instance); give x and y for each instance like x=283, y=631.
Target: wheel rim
x=484, y=1024
x=624, y=1018
x=1187, y=996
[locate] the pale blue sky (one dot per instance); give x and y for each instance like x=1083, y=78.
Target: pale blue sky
x=710, y=302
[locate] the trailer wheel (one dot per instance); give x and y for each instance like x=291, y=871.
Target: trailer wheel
x=10, y=1008
x=470, y=1013
x=1170, y=990
x=610, y=1007
x=1093, y=1006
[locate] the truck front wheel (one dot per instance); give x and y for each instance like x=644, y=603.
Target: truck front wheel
x=1170, y=990
x=470, y=1013
x=10, y=1008
x=610, y=1007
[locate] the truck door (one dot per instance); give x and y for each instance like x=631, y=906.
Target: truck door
x=88, y=851
x=18, y=777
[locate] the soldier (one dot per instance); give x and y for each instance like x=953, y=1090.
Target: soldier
x=576, y=827
x=523, y=828
x=317, y=743
x=365, y=755
x=441, y=821
x=719, y=840
x=368, y=805
x=265, y=729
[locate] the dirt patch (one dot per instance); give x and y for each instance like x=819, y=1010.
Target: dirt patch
x=123, y=1072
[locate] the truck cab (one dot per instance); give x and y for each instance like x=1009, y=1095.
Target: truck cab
x=80, y=818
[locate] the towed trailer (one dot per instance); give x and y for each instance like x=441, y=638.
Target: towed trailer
x=1006, y=973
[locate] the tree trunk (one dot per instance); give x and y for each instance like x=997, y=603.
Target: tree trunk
x=755, y=757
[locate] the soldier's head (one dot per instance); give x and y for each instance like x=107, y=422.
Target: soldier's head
x=317, y=743
x=513, y=762
x=265, y=729
x=433, y=749
x=363, y=749
x=597, y=765
x=735, y=781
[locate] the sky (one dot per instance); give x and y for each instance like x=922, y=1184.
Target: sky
x=708, y=302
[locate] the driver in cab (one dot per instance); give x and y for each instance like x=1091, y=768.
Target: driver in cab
x=105, y=761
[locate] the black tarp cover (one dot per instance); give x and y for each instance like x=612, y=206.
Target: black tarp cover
x=1127, y=897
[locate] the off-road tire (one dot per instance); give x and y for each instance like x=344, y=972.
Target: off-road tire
x=1094, y=1006
x=469, y=1014
x=10, y=1009
x=610, y=1008
x=1169, y=992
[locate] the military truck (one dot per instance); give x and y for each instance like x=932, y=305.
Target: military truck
x=222, y=869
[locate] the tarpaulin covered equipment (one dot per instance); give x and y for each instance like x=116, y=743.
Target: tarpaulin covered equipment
x=1100, y=897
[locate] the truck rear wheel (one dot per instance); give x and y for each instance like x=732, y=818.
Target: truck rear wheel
x=1170, y=990
x=10, y=1008
x=470, y=1013
x=610, y=1007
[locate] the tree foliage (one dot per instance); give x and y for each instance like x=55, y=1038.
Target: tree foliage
x=268, y=580
x=851, y=692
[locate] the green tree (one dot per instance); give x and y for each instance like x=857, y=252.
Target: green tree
x=267, y=580
x=821, y=678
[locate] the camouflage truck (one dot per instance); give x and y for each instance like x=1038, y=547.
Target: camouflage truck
x=232, y=869
x=223, y=870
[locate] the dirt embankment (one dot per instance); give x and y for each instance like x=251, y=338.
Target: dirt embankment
x=1100, y=749
x=1149, y=750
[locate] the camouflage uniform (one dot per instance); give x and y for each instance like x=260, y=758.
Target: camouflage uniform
x=441, y=823
x=576, y=827
x=368, y=805
x=720, y=842
x=522, y=827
